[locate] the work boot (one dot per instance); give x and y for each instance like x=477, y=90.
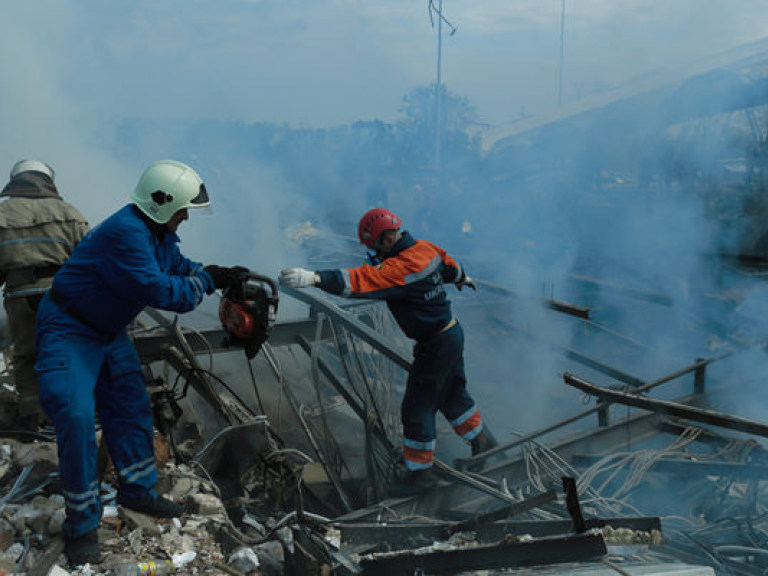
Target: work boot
x=413, y=483
x=157, y=508
x=482, y=442
x=83, y=549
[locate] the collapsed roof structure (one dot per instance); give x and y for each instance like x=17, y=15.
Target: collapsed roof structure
x=525, y=503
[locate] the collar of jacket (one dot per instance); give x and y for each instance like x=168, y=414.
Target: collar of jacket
x=406, y=241
x=159, y=231
x=28, y=185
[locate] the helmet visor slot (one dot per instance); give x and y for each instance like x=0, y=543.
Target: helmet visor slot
x=201, y=199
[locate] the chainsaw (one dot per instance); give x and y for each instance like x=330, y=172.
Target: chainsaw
x=247, y=311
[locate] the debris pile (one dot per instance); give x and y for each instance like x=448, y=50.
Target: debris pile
x=204, y=541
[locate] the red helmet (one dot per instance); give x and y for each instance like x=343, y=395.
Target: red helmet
x=373, y=223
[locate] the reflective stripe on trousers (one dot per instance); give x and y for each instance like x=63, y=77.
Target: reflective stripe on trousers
x=436, y=382
x=80, y=374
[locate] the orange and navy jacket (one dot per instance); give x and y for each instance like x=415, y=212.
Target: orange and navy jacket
x=411, y=279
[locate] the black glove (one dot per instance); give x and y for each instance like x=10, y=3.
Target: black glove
x=224, y=277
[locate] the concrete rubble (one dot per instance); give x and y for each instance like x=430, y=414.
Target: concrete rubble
x=203, y=541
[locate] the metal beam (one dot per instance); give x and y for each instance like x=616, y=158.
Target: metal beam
x=567, y=308
x=614, y=373
x=154, y=347
x=477, y=522
x=670, y=408
x=641, y=386
x=400, y=535
x=694, y=468
x=358, y=328
x=505, y=554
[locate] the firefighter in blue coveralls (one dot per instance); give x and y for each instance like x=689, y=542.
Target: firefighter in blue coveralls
x=86, y=362
x=410, y=275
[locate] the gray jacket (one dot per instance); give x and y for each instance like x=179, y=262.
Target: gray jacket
x=38, y=231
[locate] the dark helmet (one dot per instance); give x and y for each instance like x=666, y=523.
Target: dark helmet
x=374, y=223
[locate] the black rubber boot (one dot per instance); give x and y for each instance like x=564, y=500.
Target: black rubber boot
x=482, y=442
x=159, y=508
x=413, y=483
x=83, y=549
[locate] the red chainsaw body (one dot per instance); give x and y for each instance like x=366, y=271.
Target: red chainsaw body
x=247, y=311
x=237, y=318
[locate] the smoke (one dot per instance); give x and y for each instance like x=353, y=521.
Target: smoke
x=99, y=90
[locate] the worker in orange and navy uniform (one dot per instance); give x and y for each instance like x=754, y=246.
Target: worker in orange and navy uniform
x=410, y=275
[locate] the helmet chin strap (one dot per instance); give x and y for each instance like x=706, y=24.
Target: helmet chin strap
x=377, y=253
x=373, y=257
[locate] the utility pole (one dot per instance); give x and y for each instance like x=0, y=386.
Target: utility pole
x=438, y=83
x=562, y=52
x=438, y=93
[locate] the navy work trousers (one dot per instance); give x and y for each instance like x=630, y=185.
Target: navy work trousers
x=80, y=372
x=436, y=383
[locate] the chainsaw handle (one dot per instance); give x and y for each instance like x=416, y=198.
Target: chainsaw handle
x=261, y=278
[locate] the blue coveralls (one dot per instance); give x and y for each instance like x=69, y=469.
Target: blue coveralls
x=411, y=280
x=86, y=362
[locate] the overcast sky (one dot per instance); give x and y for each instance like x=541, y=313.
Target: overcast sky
x=324, y=62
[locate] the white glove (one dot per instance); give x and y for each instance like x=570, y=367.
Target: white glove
x=297, y=278
x=466, y=281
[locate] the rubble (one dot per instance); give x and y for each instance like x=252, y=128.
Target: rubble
x=201, y=542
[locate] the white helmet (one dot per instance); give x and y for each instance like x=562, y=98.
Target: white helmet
x=166, y=187
x=32, y=166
